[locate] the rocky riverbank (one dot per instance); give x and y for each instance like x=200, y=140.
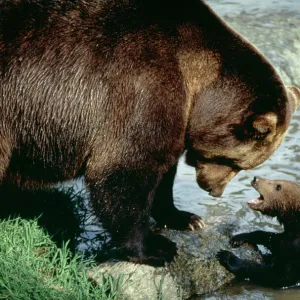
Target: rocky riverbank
x=195, y=270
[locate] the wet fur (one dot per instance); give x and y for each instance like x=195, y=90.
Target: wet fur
x=281, y=267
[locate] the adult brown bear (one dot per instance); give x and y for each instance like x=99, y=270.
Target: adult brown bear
x=116, y=90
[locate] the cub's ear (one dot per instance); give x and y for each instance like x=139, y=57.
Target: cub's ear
x=260, y=126
x=294, y=94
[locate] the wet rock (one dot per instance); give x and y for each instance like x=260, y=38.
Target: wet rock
x=139, y=282
x=195, y=270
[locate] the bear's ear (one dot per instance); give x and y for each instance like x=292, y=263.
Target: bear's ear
x=294, y=93
x=261, y=126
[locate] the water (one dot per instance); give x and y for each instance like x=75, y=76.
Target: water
x=225, y=7
x=274, y=27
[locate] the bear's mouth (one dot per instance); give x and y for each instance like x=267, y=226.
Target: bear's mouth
x=256, y=203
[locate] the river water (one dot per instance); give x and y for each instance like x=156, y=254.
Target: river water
x=274, y=27
x=227, y=7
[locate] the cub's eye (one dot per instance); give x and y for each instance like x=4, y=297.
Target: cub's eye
x=278, y=187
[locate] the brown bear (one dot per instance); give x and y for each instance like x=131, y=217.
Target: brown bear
x=117, y=90
x=281, y=199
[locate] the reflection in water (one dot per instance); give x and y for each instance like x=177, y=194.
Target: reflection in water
x=251, y=292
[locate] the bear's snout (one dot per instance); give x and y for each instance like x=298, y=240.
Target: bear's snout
x=255, y=180
x=213, y=178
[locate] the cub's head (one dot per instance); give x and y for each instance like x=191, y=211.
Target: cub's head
x=278, y=198
x=234, y=128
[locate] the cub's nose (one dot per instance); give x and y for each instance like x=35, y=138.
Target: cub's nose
x=255, y=180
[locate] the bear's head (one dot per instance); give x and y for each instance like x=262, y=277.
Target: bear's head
x=238, y=106
x=234, y=127
x=278, y=198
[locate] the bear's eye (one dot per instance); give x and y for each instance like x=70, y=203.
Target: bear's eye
x=278, y=187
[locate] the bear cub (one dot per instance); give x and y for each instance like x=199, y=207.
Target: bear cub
x=281, y=199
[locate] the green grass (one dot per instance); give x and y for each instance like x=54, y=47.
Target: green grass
x=33, y=267
x=64, y=213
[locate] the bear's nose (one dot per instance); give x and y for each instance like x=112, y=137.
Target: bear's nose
x=255, y=180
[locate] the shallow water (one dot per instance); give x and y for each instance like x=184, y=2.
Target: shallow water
x=224, y=7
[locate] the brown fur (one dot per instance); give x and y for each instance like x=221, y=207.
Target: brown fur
x=118, y=90
x=280, y=268
x=281, y=199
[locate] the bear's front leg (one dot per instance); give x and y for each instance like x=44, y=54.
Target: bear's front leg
x=246, y=269
x=122, y=198
x=272, y=272
x=164, y=211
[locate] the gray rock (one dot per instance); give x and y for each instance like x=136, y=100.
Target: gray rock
x=195, y=270
x=140, y=282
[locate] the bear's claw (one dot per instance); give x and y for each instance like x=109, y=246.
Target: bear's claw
x=182, y=220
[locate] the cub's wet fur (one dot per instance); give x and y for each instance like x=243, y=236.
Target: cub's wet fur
x=117, y=90
x=281, y=199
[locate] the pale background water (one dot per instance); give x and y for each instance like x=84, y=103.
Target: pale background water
x=224, y=7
